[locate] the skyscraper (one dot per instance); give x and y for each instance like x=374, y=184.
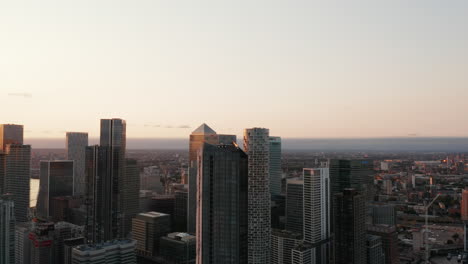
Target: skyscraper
x=10, y=134
x=275, y=166
x=203, y=134
x=180, y=211
x=105, y=179
x=357, y=174
x=464, y=215
x=76, y=150
x=375, y=253
x=350, y=227
x=178, y=248
x=131, y=194
x=222, y=205
x=257, y=147
x=56, y=179
x=317, y=213
x=383, y=214
x=16, y=181
x=295, y=205
x=147, y=229
x=7, y=230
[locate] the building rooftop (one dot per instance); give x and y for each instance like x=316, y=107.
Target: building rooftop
x=204, y=129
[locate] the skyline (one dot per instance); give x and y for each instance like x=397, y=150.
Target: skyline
x=304, y=69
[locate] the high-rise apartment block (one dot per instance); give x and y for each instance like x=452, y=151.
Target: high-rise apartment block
x=76, y=144
x=350, y=227
x=257, y=147
x=222, y=194
x=275, y=166
x=201, y=135
x=7, y=230
x=295, y=205
x=147, y=229
x=317, y=222
x=56, y=180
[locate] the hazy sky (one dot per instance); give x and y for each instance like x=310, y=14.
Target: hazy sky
x=301, y=68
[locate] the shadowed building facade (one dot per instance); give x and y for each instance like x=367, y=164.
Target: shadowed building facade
x=222, y=205
x=76, y=144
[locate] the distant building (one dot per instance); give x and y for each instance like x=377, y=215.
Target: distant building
x=317, y=222
x=222, y=204
x=464, y=216
x=375, y=253
x=383, y=214
x=282, y=244
x=295, y=205
x=76, y=144
x=10, y=134
x=178, y=248
x=22, y=243
x=115, y=251
x=257, y=147
x=350, y=227
x=147, y=228
x=7, y=230
x=56, y=180
x=16, y=178
x=389, y=238
x=180, y=211
x=275, y=166
x=131, y=194
x=203, y=134
x=387, y=186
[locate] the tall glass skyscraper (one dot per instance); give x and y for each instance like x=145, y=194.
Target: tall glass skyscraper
x=295, y=205
x=317, y=220
x=222, y=205
x=105, y=178
x=203, y=134
x=275, y=166
x=257, y=147
x=76, y=144
x=56, y=179
x=10, y=134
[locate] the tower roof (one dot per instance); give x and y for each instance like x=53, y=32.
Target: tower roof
x=204, y=129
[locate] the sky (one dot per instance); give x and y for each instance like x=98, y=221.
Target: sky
x=304, y=69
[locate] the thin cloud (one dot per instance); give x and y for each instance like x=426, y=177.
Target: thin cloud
x=24, y=95
x=184, y=126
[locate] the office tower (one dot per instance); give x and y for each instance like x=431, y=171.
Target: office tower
x=350, y=227
x=222, y=204
x=111, y=252
x=68, y=245
x=113, y=139
x=180, y=211
x=317, y=213
x=464, y=215
x=302, y=254
x=76, y=144
x=163, y=204
x=10, y=134
x=131, y=194
x=203, y=134
x=22, y=243
x=383, y=214
x=7, y=230
x=62, y=232
x=147, y=228
x=375, y=253
x=2, y=171
x=275, y=166
x=178, y=248
x=257, y=147
x=282, y=244
x=61, y=208
x=295, y=205
x=17, y=164
x=356, y=174
x=105, y=178
x=56, y=180
x=389, y=238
